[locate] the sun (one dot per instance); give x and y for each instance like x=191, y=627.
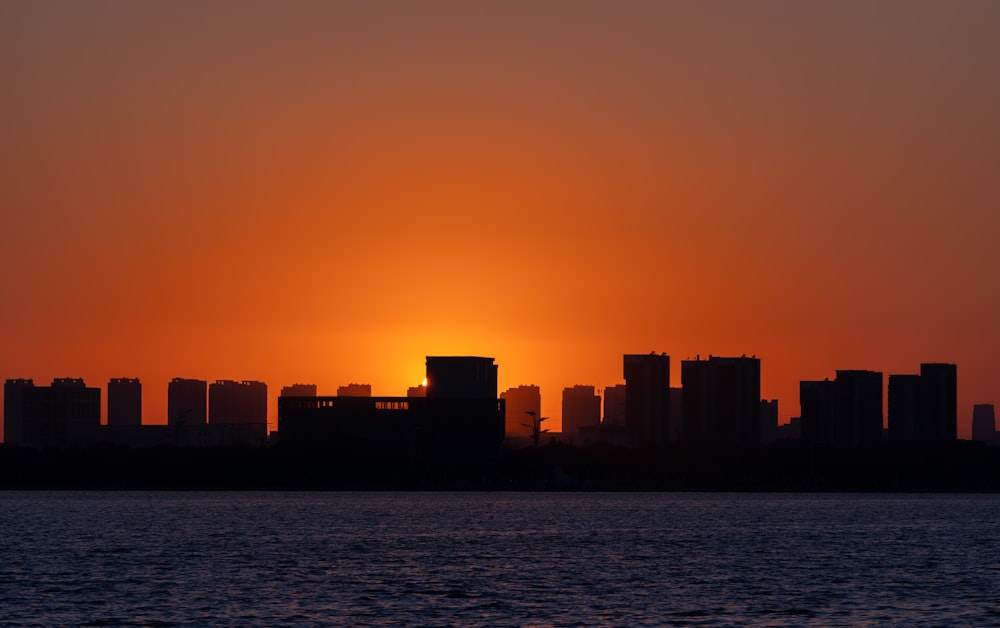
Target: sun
x=424, y=384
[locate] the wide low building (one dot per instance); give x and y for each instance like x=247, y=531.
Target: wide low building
x=407, y=425
x=460, y=415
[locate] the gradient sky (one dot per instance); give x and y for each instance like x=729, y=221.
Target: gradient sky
x=327, y=192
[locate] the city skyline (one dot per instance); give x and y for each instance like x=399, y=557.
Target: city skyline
x=327, y=193
x=723, y=397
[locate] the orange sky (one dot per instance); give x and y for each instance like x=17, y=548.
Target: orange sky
x=328, y=192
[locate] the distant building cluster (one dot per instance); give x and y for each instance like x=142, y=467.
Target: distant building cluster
x=719, y=405
x=458, y=408
x=67, y=414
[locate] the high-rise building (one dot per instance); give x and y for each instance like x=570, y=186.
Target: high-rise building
x=647, y=397
x=984, y=425
x=581, y=407
x=939, y=401
x=124, y=401
x=187, y=402
x=461, y=377
x=299, y=390
x=817, y=411
x=858, y=403
x=846, y=412
x=614, y=405
x=355, y=390
x=65, y=414
x=522, y=403
x=721, y=401
x=924, y=407
x=14, y=393
x=237, y=403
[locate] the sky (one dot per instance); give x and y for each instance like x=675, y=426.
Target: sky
x=328, y=192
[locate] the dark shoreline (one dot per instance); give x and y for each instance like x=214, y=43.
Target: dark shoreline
x=787, y=466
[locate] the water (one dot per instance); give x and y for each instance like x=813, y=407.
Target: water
x=467, y=559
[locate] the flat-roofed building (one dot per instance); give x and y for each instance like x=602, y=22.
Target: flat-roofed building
x=721, y=400
x=614, y=405
x=461, y=377
x=14, y=394
x=187, y=402
x=858, y=407
x=647, y=397
x=581, y=407
x=355, y=390
x=65, y=414
x=939, y=401
x=299, y=390
x=523, y=403
x=457, y=417
x=124, y=401
x=237, y=403
x=817, y=410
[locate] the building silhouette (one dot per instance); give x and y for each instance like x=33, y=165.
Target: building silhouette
x=846, y=412
x=187, y=402
x=13, y=409
x=416, y=391
x=939, y=401
x=721, y=401
x=299, y=390
x=237, y=413
x=614, y=405
x=65, y=414
x=859, y=407
x=647, y=397
x=461, y=377
x=984, y=426
x=817, y=411
x=581, y=407
x=520, y=402
x=237, y=403
x=355, y=390
x=461, y=415
x=124, y=402
x=924, y=407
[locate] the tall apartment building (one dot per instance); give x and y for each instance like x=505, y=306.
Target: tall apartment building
x=522, y=403
x=581, y=407
x=647, y=397
x=124, y=401
x=187, y=402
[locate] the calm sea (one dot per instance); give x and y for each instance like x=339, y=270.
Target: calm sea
x=468, y=559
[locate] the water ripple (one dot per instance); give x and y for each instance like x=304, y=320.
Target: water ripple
x=374, y=559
